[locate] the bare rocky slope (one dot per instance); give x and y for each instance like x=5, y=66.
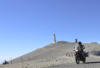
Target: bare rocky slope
x=61, y=48
x=51, y=55
x=50, y=51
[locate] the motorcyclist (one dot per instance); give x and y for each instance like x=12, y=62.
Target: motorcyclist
x=75, y=45
x=79, y=47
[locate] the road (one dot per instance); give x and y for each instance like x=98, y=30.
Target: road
x=91, y=63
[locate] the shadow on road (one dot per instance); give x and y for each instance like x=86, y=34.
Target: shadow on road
x=93, y=62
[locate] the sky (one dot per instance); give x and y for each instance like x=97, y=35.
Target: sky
x=26, y=25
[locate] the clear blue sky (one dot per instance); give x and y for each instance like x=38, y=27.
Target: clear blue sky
x=29, y=24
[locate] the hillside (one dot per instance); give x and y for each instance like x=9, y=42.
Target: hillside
x=47, y=52
x=52, y=54
x=59, y=49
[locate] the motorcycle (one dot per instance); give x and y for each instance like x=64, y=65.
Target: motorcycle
x=80, y=56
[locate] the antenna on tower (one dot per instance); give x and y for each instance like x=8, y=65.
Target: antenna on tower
x=54, y=37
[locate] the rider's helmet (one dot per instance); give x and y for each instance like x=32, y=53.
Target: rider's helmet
x=80, y=43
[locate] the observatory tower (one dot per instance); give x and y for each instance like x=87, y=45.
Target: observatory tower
x=54, y=38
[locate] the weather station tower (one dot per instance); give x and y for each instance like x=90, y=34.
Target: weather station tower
x=54, y=38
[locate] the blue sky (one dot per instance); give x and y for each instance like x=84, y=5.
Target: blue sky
x=26, y=25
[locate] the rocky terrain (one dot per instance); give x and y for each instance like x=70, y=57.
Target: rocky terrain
x=58, y=55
